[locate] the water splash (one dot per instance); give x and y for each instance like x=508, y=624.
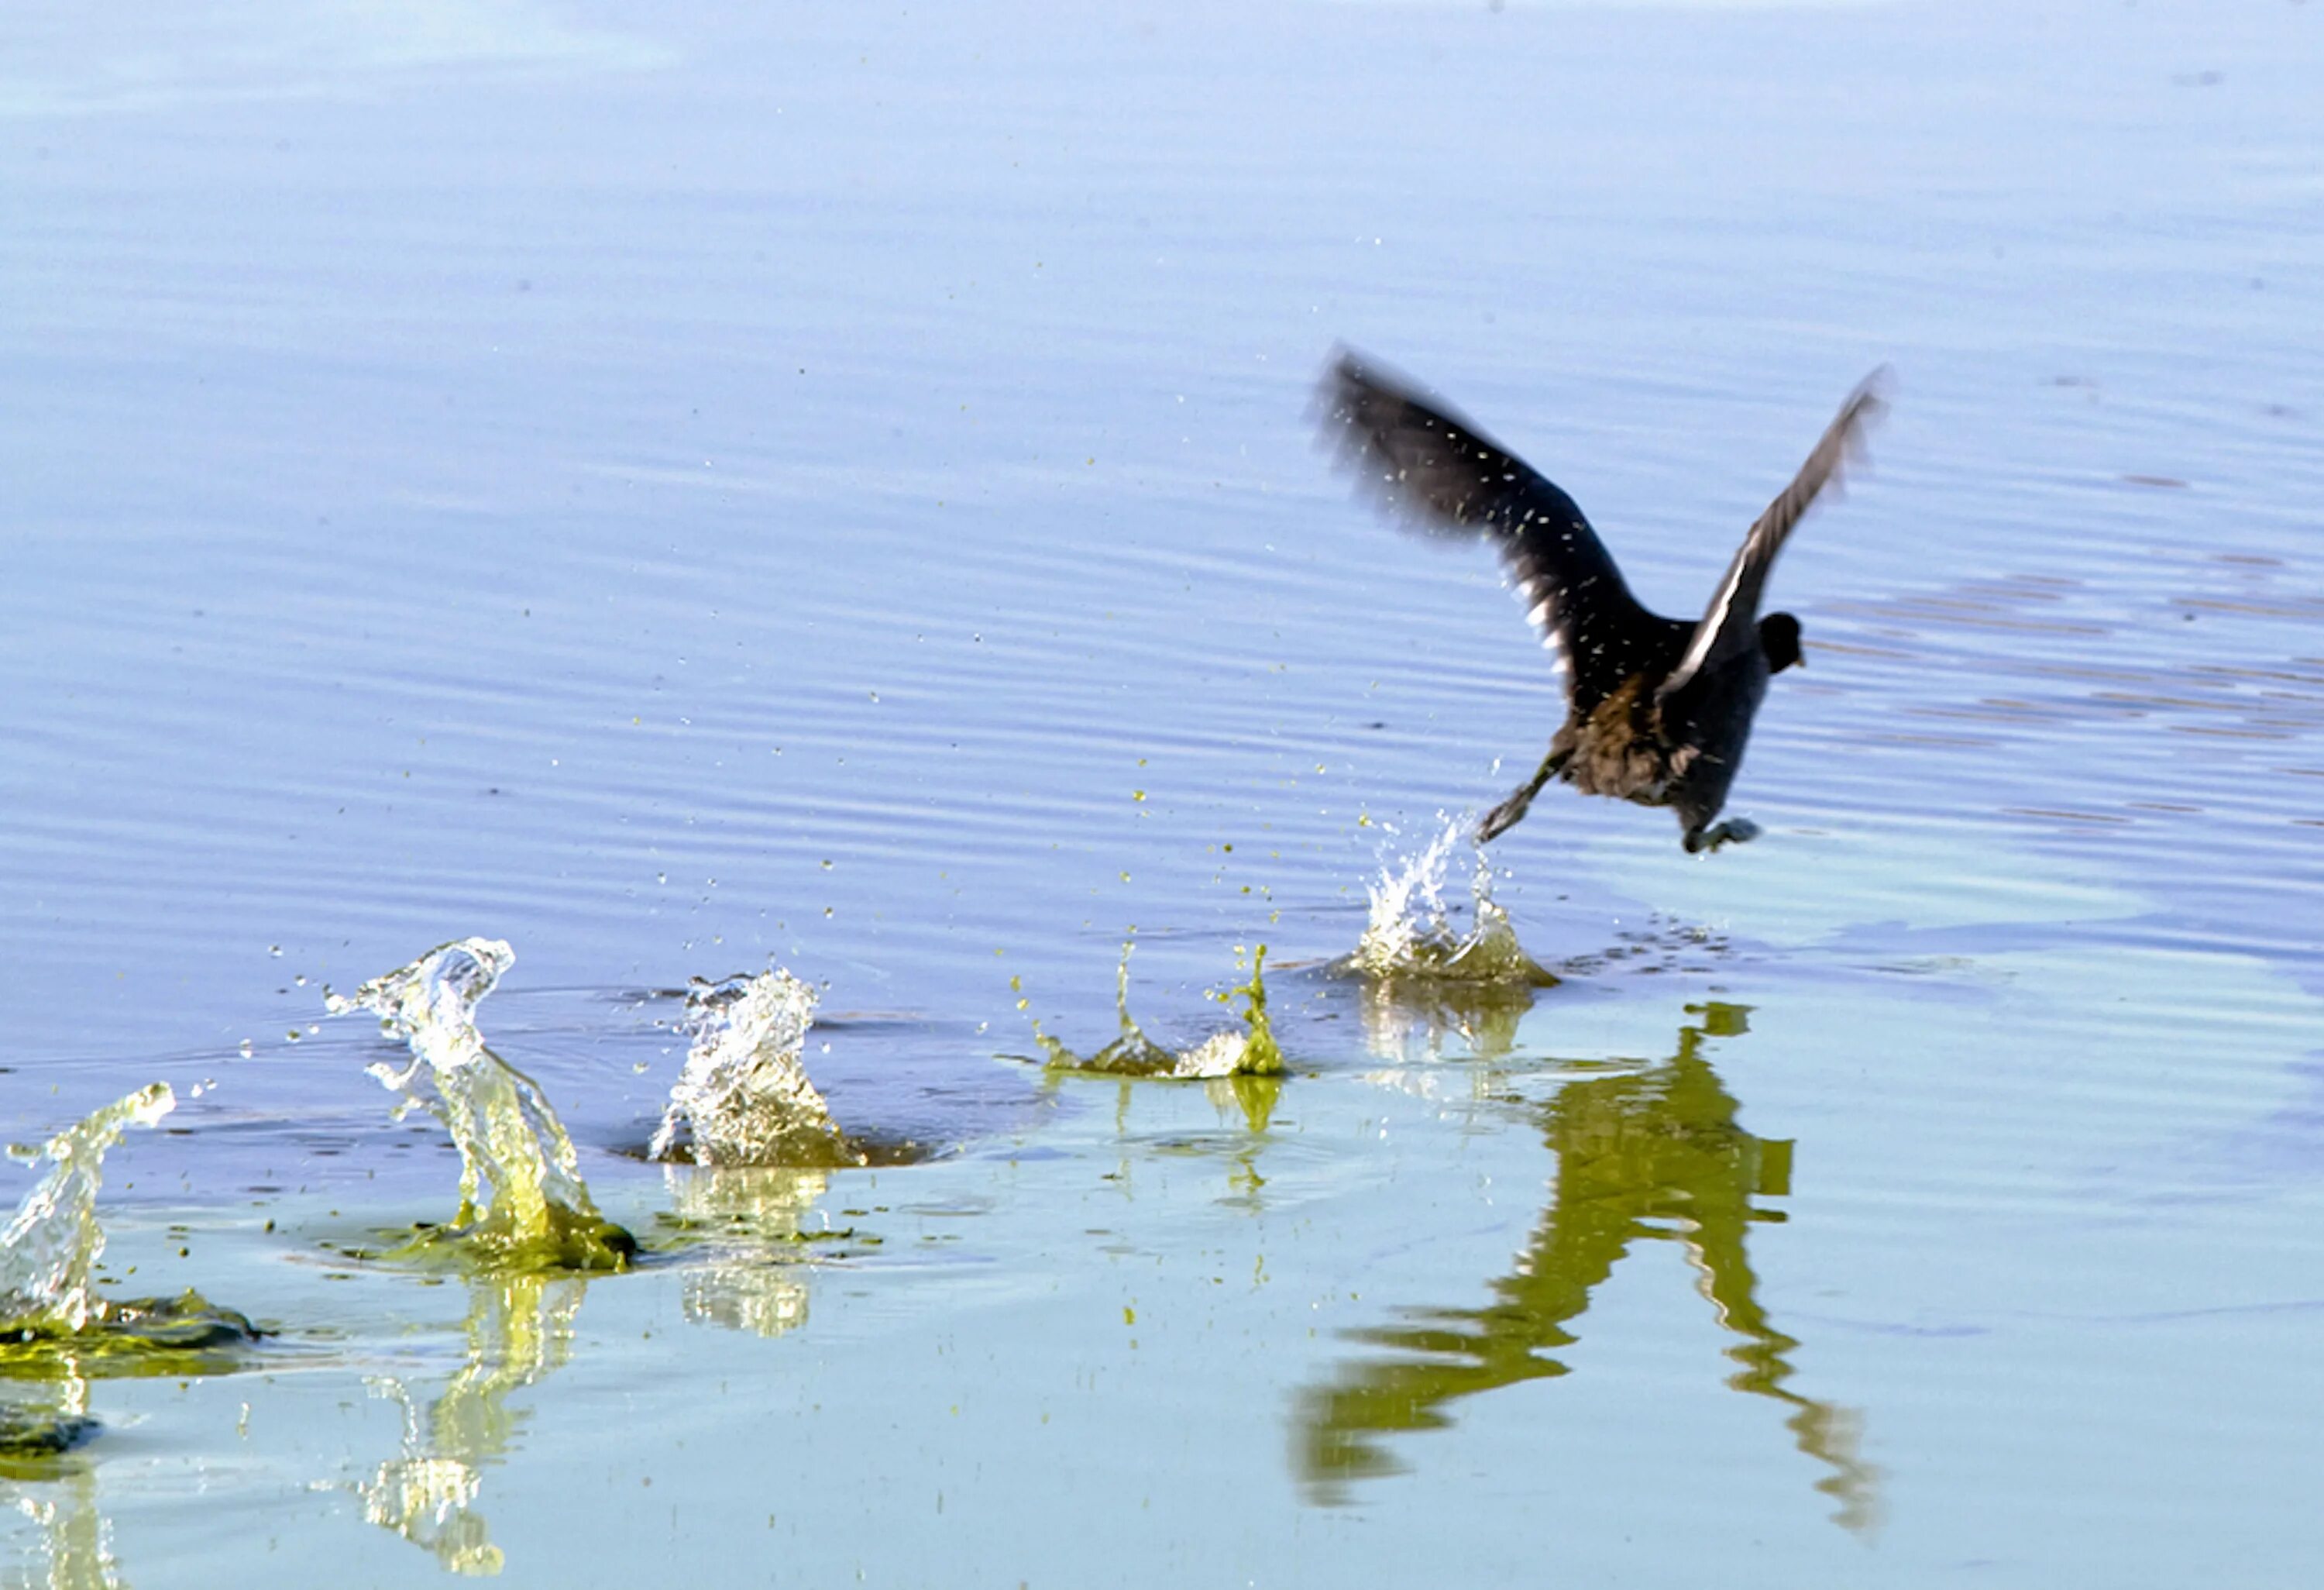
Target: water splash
x=52, y=1319
x=744, y=1097
x=1412, y=937
x=1249, y=1052
x=49, y=1251
x=522, y=1200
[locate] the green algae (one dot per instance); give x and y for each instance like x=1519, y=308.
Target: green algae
x=186, y=1334
x=558, y=1238
x=29, y=1437
x=1249, y=1052
x=1259, y=1055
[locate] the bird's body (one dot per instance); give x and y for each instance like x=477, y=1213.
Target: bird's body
x=1658, y=710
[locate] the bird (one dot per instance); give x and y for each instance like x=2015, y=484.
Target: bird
x=1657, y=709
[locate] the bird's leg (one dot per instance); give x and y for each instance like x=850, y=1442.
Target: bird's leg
x=1507, y=815
x=1735, y=830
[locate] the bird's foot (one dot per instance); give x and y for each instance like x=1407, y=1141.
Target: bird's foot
x=1504, y=816
x=1735, y=830
x=1509, y=812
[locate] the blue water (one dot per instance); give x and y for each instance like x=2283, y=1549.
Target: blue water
x=839, y=487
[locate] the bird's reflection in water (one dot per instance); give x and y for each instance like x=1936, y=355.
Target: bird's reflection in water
x=520, y=1331
x=54, y=1490
x=1653, y=1154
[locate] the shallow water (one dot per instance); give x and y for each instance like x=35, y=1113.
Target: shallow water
x=836, y=489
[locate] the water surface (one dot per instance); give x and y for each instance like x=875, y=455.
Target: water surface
x=836, y=490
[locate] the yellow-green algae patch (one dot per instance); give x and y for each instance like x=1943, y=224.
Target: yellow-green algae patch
x=523, y=1204
x=560, y=1239
x=54, y=1322
x=181, y=1335
x=31, y=1434
x=1250, y=1052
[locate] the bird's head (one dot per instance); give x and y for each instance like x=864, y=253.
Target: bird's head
x=1779, y=638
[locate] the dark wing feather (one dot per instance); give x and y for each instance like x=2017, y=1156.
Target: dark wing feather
x=1447, y=478
x=1730, y=624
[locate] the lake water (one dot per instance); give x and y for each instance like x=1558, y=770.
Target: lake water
x=837, y=487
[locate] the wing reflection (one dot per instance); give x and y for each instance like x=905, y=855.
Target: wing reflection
x=1648, y=1155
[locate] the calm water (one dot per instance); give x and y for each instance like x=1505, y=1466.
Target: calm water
x=836, y=487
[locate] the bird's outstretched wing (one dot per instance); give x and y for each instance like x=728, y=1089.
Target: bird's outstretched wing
x=1730, y=624
x=1445, y=478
